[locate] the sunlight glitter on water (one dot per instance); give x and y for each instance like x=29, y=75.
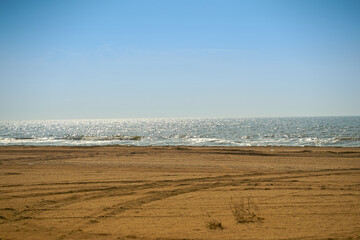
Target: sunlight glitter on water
x=309, y=131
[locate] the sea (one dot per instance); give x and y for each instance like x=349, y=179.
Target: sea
x=297, y=131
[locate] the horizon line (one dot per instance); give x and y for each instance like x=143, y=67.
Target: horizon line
x=159, y=118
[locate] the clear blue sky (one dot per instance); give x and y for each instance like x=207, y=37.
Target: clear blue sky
x=178, y=58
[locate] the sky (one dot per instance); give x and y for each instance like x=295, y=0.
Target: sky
x=178, y=58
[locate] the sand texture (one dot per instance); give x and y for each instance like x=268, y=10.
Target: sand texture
x=179, y=192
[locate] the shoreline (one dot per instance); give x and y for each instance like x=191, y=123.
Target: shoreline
x=166, y=146
x=158, y=192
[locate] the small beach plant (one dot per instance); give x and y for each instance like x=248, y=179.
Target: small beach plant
x=244, y=210
x=213, y=224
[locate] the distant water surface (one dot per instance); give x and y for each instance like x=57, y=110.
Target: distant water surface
x=307, y=131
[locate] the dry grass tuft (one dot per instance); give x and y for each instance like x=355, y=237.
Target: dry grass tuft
x=213, y=224
x=245, y=211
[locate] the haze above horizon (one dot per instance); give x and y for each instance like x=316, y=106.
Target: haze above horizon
x=166, y=59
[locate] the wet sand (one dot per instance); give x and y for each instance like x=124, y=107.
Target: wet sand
x=173, y=192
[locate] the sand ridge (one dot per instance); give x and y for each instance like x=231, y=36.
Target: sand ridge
x=124, y=192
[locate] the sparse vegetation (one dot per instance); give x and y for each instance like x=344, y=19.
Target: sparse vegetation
x=245, y=210
x=213, y=224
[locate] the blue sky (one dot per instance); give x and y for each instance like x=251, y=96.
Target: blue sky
x=189, y=58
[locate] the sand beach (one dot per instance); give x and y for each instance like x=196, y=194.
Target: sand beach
x=123, y=192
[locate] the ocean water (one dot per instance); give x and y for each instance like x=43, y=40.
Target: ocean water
x=301, y=131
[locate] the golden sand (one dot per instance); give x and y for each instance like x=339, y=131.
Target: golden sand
x=174, y=192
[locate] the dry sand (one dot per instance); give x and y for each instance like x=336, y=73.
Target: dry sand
x=172, y=192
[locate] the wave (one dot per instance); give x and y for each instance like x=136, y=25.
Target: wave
x=96, y=138
x=347, y=139
x=25, y=138
x=76, y=138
